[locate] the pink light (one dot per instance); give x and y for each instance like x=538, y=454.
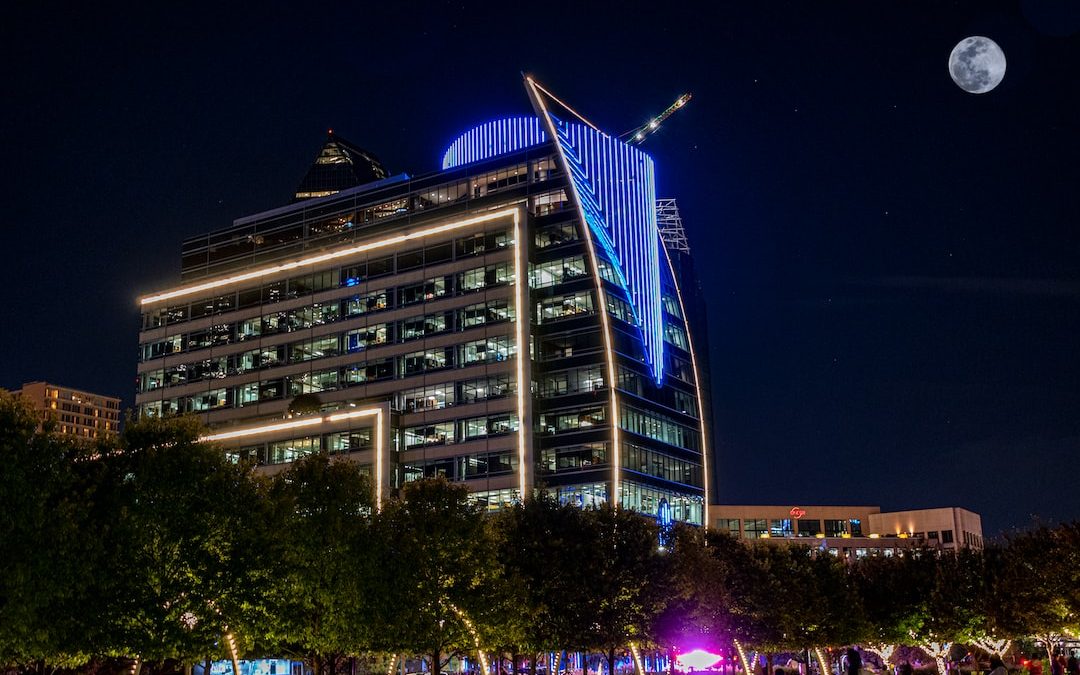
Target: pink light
x=699, y=659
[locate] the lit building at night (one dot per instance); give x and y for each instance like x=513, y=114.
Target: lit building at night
x=851, y=531
x=76, y=413
x=512, y=322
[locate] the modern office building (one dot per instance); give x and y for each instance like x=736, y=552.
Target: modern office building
x=74, y=413
x=511, y=322
x=852, y=527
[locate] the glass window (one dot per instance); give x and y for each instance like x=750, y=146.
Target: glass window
x=809, y=527
x=671, y=306
x=556, y=235
x=246, y=394
x=484, y=389
x=432, y=397
x=835, y=528
x=365, y=338
x=755, y=528
x=429, y=434
x=588, y=378
x=282, y=452
x=313, y=349
x=422, y=326
x=308, y=383
x=429, y=359
x=369, y=302
x=675, y=335
x=349, y=441
x=424, y=291
x=549, y=202
x=249, y=329
x=572, y=420
x=781, y=528
x=573, y=458
x=560, y=307
x=483, y=277
x=497, y=348
x=371, y=371
x=728, y=525
x=659, y=427
x=556, y=272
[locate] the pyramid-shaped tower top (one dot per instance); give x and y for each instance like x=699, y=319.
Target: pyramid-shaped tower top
x=338, y=166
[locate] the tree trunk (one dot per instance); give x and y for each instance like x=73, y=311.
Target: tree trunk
x=436, y=664
x=768, y=663
x=532, y=664
x=316, y=664
x=611, y=660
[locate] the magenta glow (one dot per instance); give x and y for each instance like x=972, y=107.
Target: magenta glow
x=698, y=659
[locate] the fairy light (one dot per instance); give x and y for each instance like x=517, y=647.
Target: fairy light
x=230, y=640
x=992, y=645
x=884, y=651
x=393, y=662
x=637, y=658
x=823, y=661
x=742, y=656
x=475, y=636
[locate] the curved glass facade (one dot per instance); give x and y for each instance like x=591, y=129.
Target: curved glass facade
x=511, y=321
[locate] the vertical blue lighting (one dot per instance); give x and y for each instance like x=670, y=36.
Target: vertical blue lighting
x=616, y=185
x=493, y=139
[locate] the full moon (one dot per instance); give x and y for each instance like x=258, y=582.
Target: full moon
x=977, y=64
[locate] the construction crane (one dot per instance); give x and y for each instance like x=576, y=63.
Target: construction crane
x=637, y=136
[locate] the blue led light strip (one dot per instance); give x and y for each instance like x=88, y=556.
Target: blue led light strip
x=616, y=186
x=493, y=139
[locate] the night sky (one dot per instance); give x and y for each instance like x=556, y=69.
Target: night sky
x=891, y=265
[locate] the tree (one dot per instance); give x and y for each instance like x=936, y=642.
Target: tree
x=893, y=594
x=48, y=561
x=321, y=549
x=622, y=582
x=1033, y=581
x=541, y=547
x=954, y=599
x=176, y=574
x=437, y=568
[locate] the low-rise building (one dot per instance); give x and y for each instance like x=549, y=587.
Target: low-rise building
x=851, y=531
x=76, y=413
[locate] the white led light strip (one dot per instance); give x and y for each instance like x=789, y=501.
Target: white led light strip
x=697, y=388
x=321, y=258
x=601, y=297
x=377, y=413
x=523, y=314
